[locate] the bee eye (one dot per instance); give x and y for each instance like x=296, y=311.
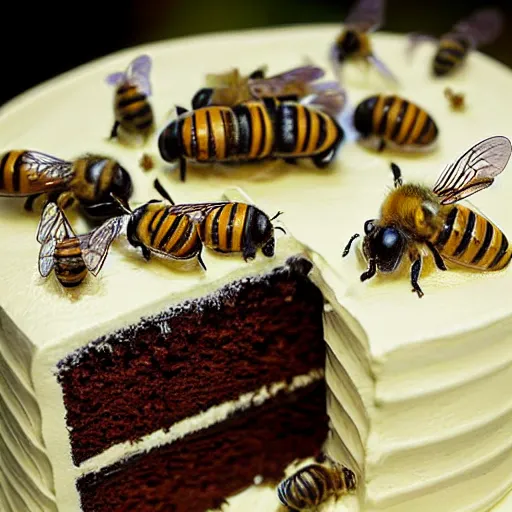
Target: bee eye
x=390, y=238
x=369, y=227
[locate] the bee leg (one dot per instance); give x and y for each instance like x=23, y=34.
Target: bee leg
x=29, y=203
x=249, y=252
x=324, y=159
x=183, y=169
x=145, y=252
x=382, y=146
x=415, y=274
x=397, y=175
x=370, y=272
x=113, y=132
x=200, y=261
x=437, y=257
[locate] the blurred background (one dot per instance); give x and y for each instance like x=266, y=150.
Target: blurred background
x=42, y=40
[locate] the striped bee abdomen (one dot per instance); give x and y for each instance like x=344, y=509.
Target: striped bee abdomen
x=70, y=268
x=396, y=120
x=469, y=239
x=14, y=176
x=451, y=53
x=132, y=109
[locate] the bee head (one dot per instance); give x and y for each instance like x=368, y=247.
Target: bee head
x=169, y=142
x=202, y=98
x=386, y=245
x=350, y=478
x=348, y=45
x=262, y=233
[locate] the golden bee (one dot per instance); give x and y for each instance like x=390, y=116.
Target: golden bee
x=254, y=130
x=481, y=28
x=312, y=485
x=230, y=89
x=132, y=109
x=414, y=216
x=71, y=256
x=393, y=121
x=457, y=100
x=366, y=17
x=89, y=179
x=179, y=232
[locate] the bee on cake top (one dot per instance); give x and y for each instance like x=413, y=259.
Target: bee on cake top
x=353, y=43
x=414, y=216
x=134, y=120
x=89, y=179
x=481, y=28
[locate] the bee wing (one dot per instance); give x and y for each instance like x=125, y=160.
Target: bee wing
x=474, y=170
x=482, y=27
x=116, y=78
x=46, y=257
x=96, y=244
x=329, y=97
x=138, y=73
x=294, y=80
x=50, y=222
x=46, y=168
x=366, y=15
x=195, y=211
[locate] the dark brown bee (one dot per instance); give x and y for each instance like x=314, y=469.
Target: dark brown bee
x=132, y=110
x=312, y=485
x=71, y=256
x=254, y=130
x=479, y=29
x=413, y=216
x=90, y=179
x=393, y=121
x=366, y=17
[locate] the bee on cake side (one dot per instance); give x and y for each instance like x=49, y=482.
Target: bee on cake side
x=69, y=255
x=366, y=17
x=481, y=28
x=391, y=121
x=89, y=179
x=230, y=89
x=255, y=130
x=312, y=485
x=415, y=216
x=133, y=114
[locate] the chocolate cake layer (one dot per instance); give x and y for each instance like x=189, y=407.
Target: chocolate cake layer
x=198, y=471
x=202, y=353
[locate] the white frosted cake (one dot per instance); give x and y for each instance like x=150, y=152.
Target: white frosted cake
x=417, y=389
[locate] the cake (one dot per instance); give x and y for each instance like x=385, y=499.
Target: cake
x=169, y=388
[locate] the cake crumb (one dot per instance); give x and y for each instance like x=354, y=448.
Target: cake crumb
x=288, y=298
x=457, y=100
x=146, y=162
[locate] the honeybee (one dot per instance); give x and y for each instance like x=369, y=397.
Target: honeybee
x=366, y=17
x=254, y=130
x=481, y=28
x=69, y=255
x=90, y=179
x=414, y=216
x=311, y=485
x=394, y=121
x=230, y=89
x=180, y=231
x=132, y=110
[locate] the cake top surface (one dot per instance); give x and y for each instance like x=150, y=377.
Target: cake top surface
x=72, y=114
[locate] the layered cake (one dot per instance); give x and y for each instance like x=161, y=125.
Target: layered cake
x=157, y=386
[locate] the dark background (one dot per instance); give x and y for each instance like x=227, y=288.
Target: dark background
x=40, y=41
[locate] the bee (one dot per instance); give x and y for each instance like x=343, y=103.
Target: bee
x=366, y=17
x=311, y=485
x=457, y=100
x=69, y=255
x=90, y=179
x=481, y=28
x=254, y=130
x=230, y=89
x=132, y=110
x=393, y=121
x=414, y=216
x=180, y=231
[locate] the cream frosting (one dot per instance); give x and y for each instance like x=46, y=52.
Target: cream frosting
x=418, y=388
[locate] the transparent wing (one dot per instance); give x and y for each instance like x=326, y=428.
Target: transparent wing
x=366, y=15
x=40, y=166
x=474, y=170
x=138, y=73
x=49, y=223
x=96, y=244
x=195, y=211
x=329, y=97
x=46, y=257
x=482, y=27
x=116, y=78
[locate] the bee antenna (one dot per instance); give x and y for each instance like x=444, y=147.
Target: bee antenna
x=397, y=175
x=123, y=204
x=280, y=229
x=276, y=215
x=161, y=190
x=349, y=245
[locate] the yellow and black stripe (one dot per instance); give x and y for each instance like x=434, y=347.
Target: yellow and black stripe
x=395, y=120
x=156, y=227
x=471, y=240
x=451, y=53
x=132, y=109
x=69, y=268
x=228, y=227
x=352, y=43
